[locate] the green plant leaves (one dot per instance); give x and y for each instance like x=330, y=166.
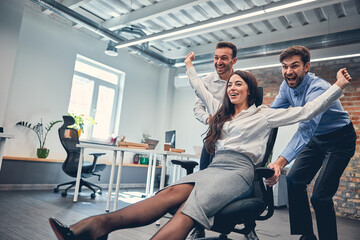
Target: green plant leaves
x=39, y=130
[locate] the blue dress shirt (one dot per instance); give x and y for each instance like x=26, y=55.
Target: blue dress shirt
x=332, y=119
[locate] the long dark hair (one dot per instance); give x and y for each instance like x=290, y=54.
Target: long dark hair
x=227, y=110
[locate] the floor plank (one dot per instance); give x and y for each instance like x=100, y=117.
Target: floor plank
x=24, y=216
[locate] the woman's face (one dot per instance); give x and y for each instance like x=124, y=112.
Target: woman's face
x=237, y=90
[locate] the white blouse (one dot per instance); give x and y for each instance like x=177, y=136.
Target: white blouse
x=249, y=130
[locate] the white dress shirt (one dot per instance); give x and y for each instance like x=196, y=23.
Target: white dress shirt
x=249, y=130
x=216, y=86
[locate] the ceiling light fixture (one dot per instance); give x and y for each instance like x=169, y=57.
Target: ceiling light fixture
x=287, y=5
x=111, y=50
x=278, y=64
x=211, y=22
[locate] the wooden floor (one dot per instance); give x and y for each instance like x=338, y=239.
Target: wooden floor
x=24, y=215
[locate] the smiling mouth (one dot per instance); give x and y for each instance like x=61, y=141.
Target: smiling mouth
x=232, y=95
x=220, y=67
x=291, y=80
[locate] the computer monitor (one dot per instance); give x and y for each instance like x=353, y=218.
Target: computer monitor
x=170, y=138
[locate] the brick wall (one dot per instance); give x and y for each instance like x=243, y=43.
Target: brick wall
x=346, y=200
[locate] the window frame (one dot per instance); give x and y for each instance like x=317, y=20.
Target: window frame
x=118, y=96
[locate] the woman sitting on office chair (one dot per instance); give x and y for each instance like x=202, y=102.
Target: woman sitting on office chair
x=237, y=134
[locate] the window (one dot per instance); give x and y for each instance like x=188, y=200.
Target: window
x=97, y=92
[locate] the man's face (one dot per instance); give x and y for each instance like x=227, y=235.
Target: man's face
x=223, y=60
x=294, y=70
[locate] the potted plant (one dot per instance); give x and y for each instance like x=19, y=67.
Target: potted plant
x=42, y=152
x=80, y=122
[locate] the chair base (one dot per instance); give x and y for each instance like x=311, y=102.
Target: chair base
x=220, y=237
x=87, y=184
x=250, y=236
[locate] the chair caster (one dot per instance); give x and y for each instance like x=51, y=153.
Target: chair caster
x=93, y=195
x=251, y=235
x=56, y=190
x=64, y=194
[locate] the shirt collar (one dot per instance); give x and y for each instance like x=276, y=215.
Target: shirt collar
x=218, y=78
x=250, y=110
x=300, y=89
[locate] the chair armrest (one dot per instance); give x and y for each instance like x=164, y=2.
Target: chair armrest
x=264, y=172
x=267, y=191
x=96, y=155
x=189, y=165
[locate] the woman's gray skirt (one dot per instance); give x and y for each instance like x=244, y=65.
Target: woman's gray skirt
x=229, y=177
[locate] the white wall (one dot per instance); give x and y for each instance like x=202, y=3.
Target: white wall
x=283, y=137
x=42, y=78
x=188, y=129
x=10, y=23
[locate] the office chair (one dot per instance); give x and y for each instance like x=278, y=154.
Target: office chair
x=69, y=138
x=259, y=206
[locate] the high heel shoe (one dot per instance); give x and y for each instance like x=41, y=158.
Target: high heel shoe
x=63, y=232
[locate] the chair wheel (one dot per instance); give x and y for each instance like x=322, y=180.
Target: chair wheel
x=56, y=190
x=100, y=192
x=64, y=194
x=93, y=195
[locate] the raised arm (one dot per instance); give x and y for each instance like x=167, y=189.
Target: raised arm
x=343, y=79
x=200, y=112
x=211, y=103
x=283, y=117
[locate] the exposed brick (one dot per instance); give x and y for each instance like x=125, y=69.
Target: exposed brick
x=355, y=180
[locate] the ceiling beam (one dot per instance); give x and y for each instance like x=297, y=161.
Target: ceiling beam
x=72, y=4
x=320, y=28
x=268, y=15
x=149, y=12
x=255, y=14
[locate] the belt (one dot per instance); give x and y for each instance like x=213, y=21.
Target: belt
x=338, y=132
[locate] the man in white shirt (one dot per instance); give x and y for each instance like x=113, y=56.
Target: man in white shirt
x=215, y=82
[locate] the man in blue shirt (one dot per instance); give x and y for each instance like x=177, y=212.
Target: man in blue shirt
x=325, y=143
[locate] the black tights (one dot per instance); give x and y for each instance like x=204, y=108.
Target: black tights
x=143, y=213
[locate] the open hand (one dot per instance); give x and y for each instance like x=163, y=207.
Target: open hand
x=343, y=78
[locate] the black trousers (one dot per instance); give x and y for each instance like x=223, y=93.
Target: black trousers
x=205, y=158
x=330, y=153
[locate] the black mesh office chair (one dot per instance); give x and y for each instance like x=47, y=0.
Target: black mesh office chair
x=69, y=138
x=259, y=206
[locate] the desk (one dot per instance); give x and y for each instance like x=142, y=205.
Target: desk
x=165, y=155
x=3, y=137
x=150, y=174
x=115, y=150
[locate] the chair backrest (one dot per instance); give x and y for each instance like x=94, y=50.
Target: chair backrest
x=260, y=190
x=259, y=97
x=272, y=137
x=69, y=138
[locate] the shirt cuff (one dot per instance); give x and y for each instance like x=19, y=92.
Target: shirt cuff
x=289, y=154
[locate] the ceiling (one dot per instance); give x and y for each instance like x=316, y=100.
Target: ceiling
x=164, y=31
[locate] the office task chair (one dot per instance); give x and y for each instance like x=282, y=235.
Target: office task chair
x=69, y=138
x=244, y=211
